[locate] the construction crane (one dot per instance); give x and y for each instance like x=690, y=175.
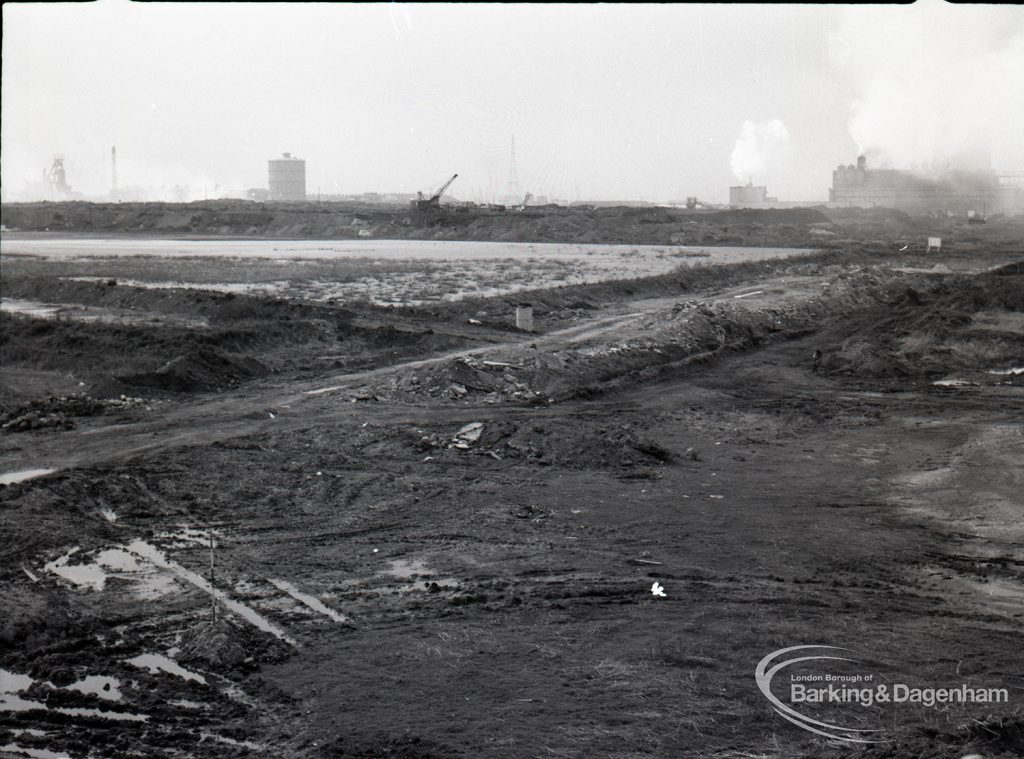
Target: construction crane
x=526, y=199
x=434, y=201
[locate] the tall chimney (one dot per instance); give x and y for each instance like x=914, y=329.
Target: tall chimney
x=113, y=170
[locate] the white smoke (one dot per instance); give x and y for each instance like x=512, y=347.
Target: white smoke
x=938, y=84
x=759, y=145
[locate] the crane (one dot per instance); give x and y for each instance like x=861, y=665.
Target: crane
x=434, y=201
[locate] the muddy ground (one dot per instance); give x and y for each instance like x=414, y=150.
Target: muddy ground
x=441, y=542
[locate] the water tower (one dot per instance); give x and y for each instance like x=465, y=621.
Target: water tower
x=287, y=178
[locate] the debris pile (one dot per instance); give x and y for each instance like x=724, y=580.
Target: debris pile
x=51, y=413
x=561, y=444
x=466, y=376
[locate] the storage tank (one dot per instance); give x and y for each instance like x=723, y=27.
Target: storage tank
x=287, y=178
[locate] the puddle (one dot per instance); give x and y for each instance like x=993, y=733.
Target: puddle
x=9, y=478
x=115, y=558
x=36, y=753
x=107, y=688
x=97, y=685
x=12, y=703
x=146, y=551
x=83, y=575
x=79, y=712
x=407, y=568
x=146, y=581
x=12, y=682
x=231, y=741
x=1006, y=372
x=29, y=308
x=313, y=603
x=238, y=288
x=95, y=314
x=154, y=586
x=159, y=663
x=411, y=569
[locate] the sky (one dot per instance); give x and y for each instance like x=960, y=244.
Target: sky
x=656, y=102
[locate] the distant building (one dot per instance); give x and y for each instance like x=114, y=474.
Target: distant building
x=749, y=196
x=946, y=190
x=287, y=178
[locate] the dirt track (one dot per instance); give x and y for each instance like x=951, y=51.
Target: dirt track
x=437, y=596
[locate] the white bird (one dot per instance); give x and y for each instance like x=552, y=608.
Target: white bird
x=657, y=590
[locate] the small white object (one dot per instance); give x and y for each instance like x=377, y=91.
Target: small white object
x=470, y=433
x=524, y=318
x=657, y=590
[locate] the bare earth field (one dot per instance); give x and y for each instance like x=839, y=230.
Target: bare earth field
x=436, y=536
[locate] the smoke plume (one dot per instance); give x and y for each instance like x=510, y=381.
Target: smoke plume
x=759, y=145
x=938, y=84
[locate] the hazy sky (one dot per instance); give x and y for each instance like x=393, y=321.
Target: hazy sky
x=604, y=101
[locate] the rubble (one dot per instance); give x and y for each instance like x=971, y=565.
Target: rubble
x=52, y=413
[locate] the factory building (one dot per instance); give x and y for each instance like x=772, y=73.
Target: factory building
x=287, y=178
x=952, y=191
x=749, y=196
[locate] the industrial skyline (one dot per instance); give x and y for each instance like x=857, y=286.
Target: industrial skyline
x=603, y=102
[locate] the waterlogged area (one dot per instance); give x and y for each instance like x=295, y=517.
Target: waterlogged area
x=385, y=272
x=73, y=312
x=9, y=478
x=431, y=250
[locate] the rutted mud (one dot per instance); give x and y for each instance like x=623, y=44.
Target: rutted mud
x=446, y=545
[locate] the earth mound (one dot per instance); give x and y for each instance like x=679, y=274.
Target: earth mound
x=198, y=371
x=950, y=324
x=224, y=646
